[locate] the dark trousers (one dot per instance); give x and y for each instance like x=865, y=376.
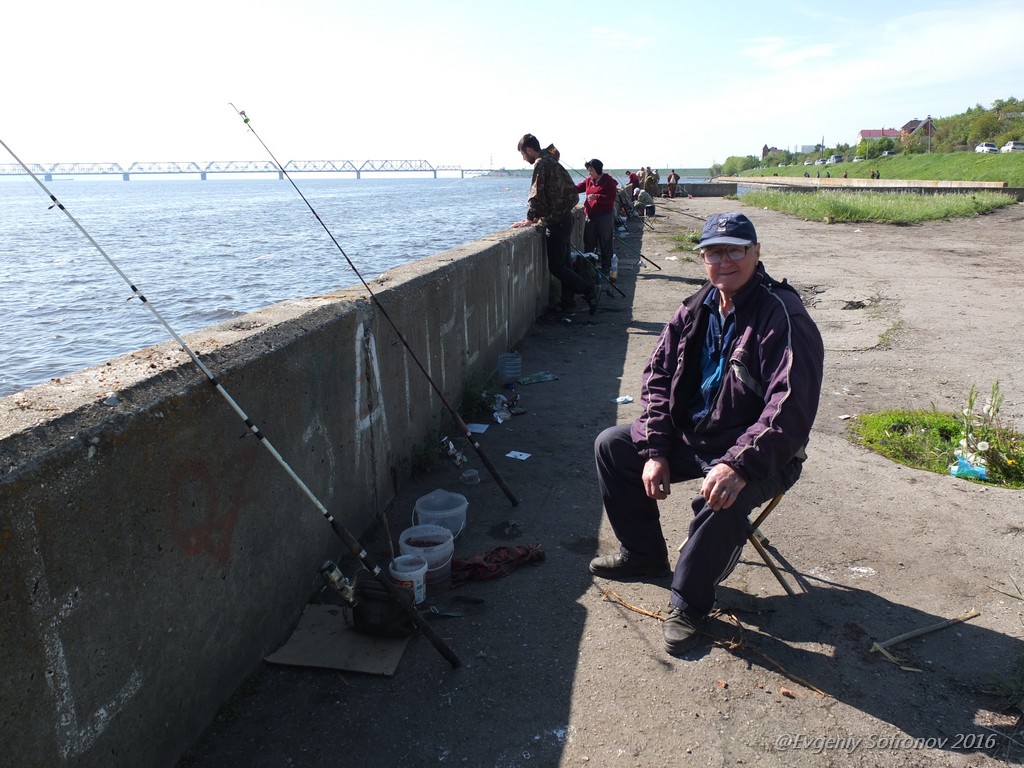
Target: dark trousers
x=597, y=233
x=557, y=237
x=716, y=538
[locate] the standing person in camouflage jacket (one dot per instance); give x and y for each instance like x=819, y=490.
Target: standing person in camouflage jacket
x=552, y=198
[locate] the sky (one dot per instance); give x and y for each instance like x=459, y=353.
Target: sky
x=674, y=83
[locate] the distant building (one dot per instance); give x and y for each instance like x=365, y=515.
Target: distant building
x=873, y=134
x=765, y=150
x=920, y=127
x=806, y=149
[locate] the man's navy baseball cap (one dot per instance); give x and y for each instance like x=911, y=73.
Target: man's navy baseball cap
x=727, y=229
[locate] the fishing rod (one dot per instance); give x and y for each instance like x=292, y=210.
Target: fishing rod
x=636, y=252
x=342, y=532
x=684, y=213
x=380, y=307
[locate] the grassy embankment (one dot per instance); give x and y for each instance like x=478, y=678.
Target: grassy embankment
x=883, y=207
x=896, y=208
x=961, y=166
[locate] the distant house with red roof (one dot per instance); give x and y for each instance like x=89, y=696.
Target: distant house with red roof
x=874, y=134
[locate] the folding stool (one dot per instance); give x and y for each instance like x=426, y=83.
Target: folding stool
x=758, y=540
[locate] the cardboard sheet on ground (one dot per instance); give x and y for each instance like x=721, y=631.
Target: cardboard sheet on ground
x=324, y=639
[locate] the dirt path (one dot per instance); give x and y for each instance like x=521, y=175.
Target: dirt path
x=555, y=674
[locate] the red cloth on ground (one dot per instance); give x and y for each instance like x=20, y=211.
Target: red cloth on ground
x=494, y=564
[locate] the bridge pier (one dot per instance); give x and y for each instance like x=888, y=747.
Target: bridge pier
x=125, y=177
x=47, y=177
x=202, y=175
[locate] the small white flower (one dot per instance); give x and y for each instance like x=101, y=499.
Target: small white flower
x=983, y=446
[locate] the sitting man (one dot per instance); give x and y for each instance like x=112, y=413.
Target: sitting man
x=729, y=394
x=643, y=202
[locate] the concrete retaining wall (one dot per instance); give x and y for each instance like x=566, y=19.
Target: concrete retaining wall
x=152, y=551
x=707, y=189
x=912, y=186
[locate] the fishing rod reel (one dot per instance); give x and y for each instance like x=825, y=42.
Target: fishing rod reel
x=337, y=581
x=374, y=610
x=458, y=457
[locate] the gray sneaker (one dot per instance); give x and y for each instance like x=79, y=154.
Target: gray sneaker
x=680, y=632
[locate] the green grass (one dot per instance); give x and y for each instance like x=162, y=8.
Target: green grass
x=685, y=241
x=938, y=442
x=919, y=439
x=883, y=207
x=958, y=166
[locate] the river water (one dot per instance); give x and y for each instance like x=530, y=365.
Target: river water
x=204, y=252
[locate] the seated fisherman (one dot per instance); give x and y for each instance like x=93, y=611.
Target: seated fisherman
x=728, y=395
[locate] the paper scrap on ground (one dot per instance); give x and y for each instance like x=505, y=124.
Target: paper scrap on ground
x=623, y=399
x=518, y=455
x=534, y=378
x=323, y=639
x=477, y=429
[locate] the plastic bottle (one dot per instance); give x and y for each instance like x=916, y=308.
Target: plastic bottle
x=613, y=273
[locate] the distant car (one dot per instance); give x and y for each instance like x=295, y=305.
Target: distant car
x=858, y=159
x=889, y=153
x=808, y=162
x=986, y=147
x=782, y=165
x=834, y=159
x=1012, y=146
x=820, y=161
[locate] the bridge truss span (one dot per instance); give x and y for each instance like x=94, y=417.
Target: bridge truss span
x=170, y=168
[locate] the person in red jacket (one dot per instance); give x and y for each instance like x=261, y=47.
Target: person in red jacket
x=599, y=209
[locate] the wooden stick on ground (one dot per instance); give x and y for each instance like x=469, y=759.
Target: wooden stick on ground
x=875, y=647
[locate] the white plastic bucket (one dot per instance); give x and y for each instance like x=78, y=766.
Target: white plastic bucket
x=410, y=571
x=435, y=544
x=443, y=508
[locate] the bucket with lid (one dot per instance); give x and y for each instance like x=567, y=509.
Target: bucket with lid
x=436, y=545
x=443, y=508
x=410, y=571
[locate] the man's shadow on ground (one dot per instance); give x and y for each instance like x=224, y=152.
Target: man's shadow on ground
x=961, y=666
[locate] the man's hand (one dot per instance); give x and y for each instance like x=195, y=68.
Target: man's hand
x=523, y=223
x=657, y=478
x=721, y=486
